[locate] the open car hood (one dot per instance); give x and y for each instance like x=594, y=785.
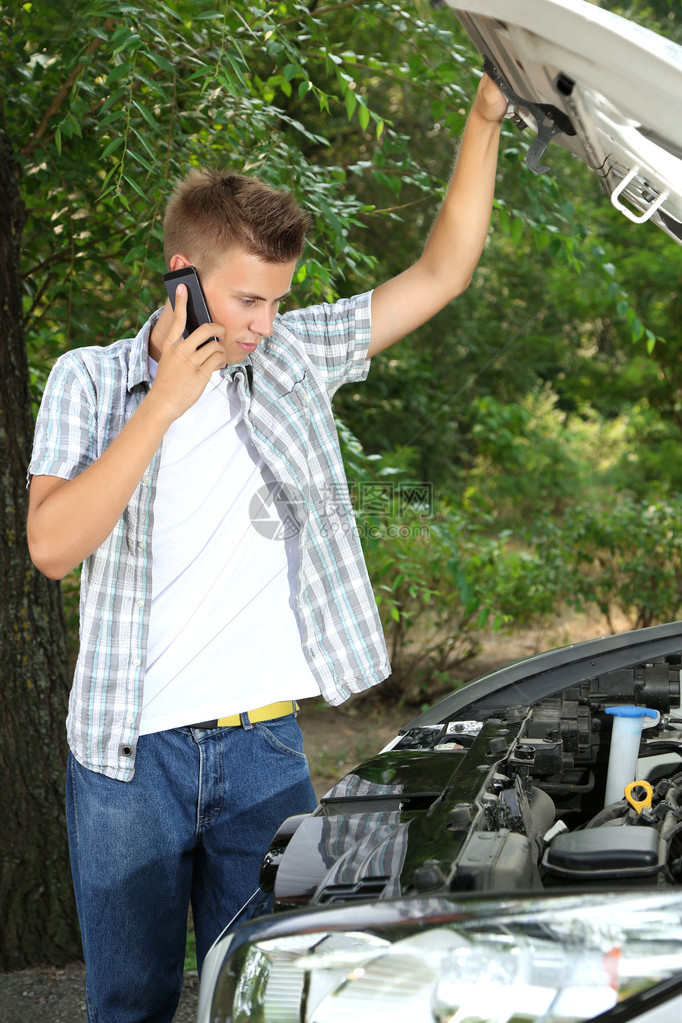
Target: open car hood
x=605, y=89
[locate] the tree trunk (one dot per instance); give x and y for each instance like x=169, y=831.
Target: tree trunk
x=38, y=922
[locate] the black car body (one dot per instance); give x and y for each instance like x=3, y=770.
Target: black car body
x=474, y=868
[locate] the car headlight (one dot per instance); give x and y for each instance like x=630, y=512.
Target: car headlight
x=563, y=958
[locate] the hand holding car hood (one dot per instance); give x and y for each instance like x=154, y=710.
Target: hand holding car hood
x=490, y=103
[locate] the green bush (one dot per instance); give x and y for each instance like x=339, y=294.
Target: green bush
x=440, y=583
x=440, y=574
x=625, y=556
x=443, y=575
x=532, y=457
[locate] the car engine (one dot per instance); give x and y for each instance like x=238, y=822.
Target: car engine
x=499, y=799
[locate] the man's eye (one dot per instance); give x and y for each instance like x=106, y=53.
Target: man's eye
x=248, y=301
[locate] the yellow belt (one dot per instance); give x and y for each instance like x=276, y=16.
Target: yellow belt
x=267, y=713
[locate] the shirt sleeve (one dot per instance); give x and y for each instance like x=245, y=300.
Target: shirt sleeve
x=336, y=337
x=65, y=434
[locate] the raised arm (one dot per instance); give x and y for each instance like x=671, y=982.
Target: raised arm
x=69, y=519
x=456, y=241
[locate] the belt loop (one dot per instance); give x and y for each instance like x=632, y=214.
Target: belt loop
x=246, y=720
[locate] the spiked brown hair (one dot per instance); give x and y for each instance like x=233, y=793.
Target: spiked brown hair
x=212, y=212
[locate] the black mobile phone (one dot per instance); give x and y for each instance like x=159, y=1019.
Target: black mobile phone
x=197, y=307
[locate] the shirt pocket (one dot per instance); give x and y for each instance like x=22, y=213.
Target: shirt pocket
x=286, y=418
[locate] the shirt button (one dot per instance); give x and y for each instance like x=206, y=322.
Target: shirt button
x=140, y=602
x=136, y=663
x=141, y=545
x=130, y=720
x=145, y=478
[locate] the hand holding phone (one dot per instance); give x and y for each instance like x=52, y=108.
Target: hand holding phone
x=197, y=307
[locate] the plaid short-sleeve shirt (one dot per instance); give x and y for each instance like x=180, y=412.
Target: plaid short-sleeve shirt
x=285, y=389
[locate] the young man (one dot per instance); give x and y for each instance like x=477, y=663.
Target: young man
x=158, y=462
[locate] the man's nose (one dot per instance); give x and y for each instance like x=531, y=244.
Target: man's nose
x=262, y=322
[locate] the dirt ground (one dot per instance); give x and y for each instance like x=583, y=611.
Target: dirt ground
x=336, y=739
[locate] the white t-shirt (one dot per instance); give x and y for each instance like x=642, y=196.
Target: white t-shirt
x=224, y=635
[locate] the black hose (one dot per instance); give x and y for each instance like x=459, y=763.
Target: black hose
x=609, y=813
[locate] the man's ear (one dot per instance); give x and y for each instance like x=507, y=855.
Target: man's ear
x=179, y=261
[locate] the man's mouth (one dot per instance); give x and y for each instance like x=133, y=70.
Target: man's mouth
x=247, y=346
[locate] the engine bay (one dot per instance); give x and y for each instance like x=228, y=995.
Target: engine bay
x=502, y=799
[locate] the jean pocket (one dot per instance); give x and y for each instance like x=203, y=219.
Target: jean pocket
x=285, y=736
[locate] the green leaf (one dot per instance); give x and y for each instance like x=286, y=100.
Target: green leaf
x=147, y=114
x=118, y=71
x=134, y=185
x=504, y=220
x=637, y=328
x=351, y=102
x=115, y=144
x=143, y=142
x=114, y=98
x=236, y=67
x=516, y=230
x=161, y=62
x=141, y=160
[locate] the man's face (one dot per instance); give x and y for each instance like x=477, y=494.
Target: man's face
x=243, y=295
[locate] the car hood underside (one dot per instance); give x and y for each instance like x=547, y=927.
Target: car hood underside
x=605, y=89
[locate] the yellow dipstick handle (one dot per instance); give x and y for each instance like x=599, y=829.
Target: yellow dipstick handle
x=639, y=804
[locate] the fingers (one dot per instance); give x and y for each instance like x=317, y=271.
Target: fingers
x=203, y=348
x=204, y=334
x=490, y=99
x=185, y=368
x=198, y=348
x=212, y=356
x=179, y=313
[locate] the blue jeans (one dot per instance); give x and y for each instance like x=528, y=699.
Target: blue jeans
x=192, y=825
